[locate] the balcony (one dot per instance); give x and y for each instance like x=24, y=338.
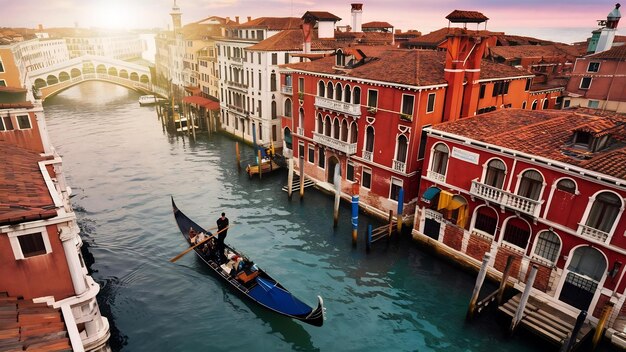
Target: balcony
x=436, y=176
x=236, y=60
x=237, y=85
x=367, y=155
x=338, y=106
x=504, y=198
x=235, y=108
x=590, y=232
x=399, y=165
x=286, y=90
x=330, y=142
x=300, y=131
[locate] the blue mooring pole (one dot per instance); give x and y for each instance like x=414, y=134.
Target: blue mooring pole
x=400, y=208
x=355, y=217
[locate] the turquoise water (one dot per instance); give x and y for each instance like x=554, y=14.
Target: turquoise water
x=123, y=167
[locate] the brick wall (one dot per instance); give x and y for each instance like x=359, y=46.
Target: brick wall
x=501, y=258
x=542, y=280
x=602, y=300
x=477, y=246
x=453, y=237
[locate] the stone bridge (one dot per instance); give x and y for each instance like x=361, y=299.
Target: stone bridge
x=54, y=79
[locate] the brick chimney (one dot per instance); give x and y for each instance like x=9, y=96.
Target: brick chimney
x=237, y=19
x=357, y=11
x=249, y=18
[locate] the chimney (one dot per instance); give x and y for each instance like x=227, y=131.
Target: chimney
x=227, y=19
x=607, y=33
x=357, y=11
x=249, y=18
x=307, y=31
x=237, y=19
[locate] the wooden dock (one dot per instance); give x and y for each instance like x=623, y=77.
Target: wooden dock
x=546, y=321
x=296, y=183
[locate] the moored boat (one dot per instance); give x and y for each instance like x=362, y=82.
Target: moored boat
x=250, y=281
x=270, y=161
x=148, y=100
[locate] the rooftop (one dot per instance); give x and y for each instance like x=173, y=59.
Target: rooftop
x=461, y=16
x=269, y=23
x=615, y=53
x=547, y=134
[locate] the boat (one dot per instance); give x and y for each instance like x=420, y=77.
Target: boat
x=252, y=282
x=148, y=100
x=270, y=161
x=181, y=123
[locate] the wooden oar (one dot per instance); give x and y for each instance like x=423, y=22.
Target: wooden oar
x=196, y=245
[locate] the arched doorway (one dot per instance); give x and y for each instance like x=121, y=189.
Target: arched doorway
x=332, y=164
x=583, y=274
x=287, y=138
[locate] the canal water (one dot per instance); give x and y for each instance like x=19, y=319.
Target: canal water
x=123, y=168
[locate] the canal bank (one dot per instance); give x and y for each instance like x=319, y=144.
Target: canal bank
x=123, y=168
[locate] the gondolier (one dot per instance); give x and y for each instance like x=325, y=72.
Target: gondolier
x=222, y=224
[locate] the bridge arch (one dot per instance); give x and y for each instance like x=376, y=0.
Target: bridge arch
x=123, y=73
x=112, y=71
x=134, y=76
x=144, y=79
x=40, y=83
x=75, y=73
x=64, y=76
x=101, y=69
x=88, y=67
x=52, y=79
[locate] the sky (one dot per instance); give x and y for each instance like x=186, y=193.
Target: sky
x=558, y=20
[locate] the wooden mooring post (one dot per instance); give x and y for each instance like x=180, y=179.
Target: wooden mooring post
x=238, y=156
x=290, y=177
x=368, y=238
x=390, y=229
x=505, y=278
x=570, y=341
x=337, y=182
x=519, y=314
x=479, y=284
x=260, y=163
x=301, y=157
x=604, y=317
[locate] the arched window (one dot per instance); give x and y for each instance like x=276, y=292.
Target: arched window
x=439, y=160
x=338, y=91
x=566, y=185
x=336, y=128
x=321, y=88
x=274, y=109
x=356, y=95
x=604, y=212
x=327, y=126
x=524, y=104
x=402, y=147
x=496, y=171
x=530, y=185
x=534, y=105
x=320, y=124
x=354, y=130
x=548, y=246
x=517, y=233
x=273, y=82
x=486, y=220
x=369, y=139
x=347, y=94
x=545, y=104
x=288, y=108
x=329, y=90
x=344, y=130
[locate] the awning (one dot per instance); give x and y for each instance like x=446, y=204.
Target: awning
x=201, y=101
x=430, y=194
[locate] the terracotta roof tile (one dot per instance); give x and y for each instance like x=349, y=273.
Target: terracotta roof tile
x=616, y=52
x=292, y=39
x=320, y=16
x=548, y=133
x=23, y=191
x=466, y=16
x=435, y=38
x=375, y=24
x=535, y=51
x=410, y=67
x=270, y=23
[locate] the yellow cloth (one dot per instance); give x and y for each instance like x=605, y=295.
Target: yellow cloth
x=444, y=199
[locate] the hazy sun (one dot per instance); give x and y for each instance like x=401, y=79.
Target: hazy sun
x=110, y=14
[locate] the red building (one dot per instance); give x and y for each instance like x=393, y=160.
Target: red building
x=363, y=110
x=547, y=187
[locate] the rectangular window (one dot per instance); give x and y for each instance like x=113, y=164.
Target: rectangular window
x=431, y=103
x=286, y=58
x=274, y=135
x=1, y=66
x=8, y=124
x=422, y=147
x=372, y=98
x=529, y=82
x=260, y=109
x=585, y=83
x=366, y=178
x=350, y=171
x=32, y=244
x=3, y=83
x=394, y=191
x=593, y=67
x=23, y=122
x=274, y=59
x=311, y=154
x=500, y=88
x=301, y=149
x=482, y=90
x=258, y=57
x=593, y=104
x=321, y=161
x=301, y=84
x=407, y=104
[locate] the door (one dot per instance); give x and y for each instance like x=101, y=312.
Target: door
x=332, y=163
x=582, y=277
x=431, y=228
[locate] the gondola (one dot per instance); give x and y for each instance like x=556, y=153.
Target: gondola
x=251, y=281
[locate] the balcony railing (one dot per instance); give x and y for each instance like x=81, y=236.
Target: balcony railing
x=590, y=232
x=436, y=176
x=504, y=198
x=339, y=106
x=286, y=90
x=399, y=165
x=300, y=131
x=367, y=155
x=236, y=108
x=345, y=147
x=237, y=85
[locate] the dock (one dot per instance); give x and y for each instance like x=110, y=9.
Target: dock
x=296, y=183
x=546, y=321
